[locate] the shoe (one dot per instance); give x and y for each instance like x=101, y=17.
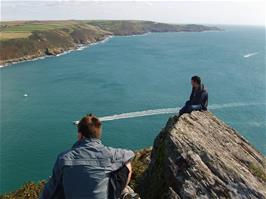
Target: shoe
x=128, y=193
x=130, y=196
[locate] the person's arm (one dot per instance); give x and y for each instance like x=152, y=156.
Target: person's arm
x=54, y=183
x=191, y=95
x=120, y=171
x=128, y=165
x=120, y=157
x=123, y=155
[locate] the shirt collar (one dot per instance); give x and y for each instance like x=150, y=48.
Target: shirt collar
x=86, y=142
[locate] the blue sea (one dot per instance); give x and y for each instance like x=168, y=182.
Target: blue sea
x=145, y=78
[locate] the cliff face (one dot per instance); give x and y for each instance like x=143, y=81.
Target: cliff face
x=201, y=157
x=53, y=37
x=49, y=42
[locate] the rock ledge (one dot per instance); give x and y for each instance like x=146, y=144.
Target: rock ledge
x=199, y=156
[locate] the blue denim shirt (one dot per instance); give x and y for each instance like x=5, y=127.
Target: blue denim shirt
x=82, y=172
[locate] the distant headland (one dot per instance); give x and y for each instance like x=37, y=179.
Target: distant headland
x=27, y=40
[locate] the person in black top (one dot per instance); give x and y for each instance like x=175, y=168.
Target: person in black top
x=198, y=100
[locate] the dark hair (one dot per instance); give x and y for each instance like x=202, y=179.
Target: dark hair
x=90, y=126
x=196, y=79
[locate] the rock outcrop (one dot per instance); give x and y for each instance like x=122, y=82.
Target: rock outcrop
x=199, y=156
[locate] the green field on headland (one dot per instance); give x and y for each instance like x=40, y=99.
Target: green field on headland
x=25, y=40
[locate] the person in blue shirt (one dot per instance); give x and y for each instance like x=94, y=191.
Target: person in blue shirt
x=198, y=100
x=89, y=170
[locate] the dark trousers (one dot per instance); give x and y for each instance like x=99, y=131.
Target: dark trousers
x=186, y=108
x=117, y=182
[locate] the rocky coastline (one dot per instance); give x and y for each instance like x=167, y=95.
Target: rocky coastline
x=71, y=36
x=51, y=52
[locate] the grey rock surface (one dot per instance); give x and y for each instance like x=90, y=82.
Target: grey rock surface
x=199, y=156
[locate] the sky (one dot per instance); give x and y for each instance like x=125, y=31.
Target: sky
x=197, y=12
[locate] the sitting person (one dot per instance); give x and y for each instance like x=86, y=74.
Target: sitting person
x=89, y=169
x=198, y=98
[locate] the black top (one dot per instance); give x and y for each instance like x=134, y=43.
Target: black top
x=199, y=97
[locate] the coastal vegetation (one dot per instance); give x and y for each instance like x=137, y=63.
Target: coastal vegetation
x=25, y=40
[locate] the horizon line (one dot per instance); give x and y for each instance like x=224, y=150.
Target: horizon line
x=175, y=23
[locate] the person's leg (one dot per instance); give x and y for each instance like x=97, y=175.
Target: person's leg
x=119, y=183
x=185, y=109
x=182, y=111
x=128, y=192
x=121, y=179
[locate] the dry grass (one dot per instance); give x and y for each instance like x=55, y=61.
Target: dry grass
x=13, y=35
x=29, y=190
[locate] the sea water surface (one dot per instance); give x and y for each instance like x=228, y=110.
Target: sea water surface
x=132, y=75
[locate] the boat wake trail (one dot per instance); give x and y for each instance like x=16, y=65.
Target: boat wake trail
x=169, y=111
x=139, y=114
x=250, y=55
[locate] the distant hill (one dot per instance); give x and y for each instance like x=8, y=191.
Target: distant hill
x=25, y=40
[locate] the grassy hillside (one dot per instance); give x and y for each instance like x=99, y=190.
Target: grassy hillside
x=24, y=40
x=140, y=27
